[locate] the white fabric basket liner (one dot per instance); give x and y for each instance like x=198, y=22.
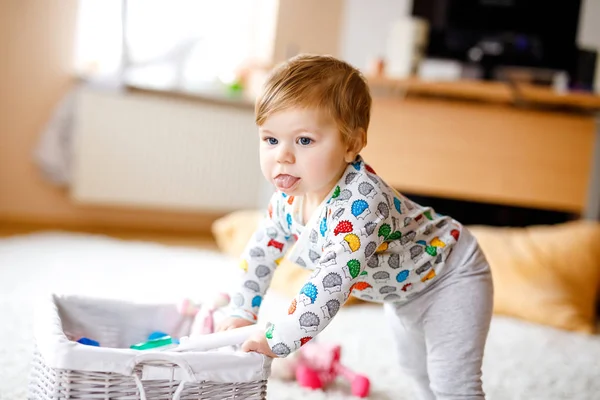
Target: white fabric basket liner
x=119, y=324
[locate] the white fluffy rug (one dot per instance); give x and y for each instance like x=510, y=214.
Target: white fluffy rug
x=523, y=361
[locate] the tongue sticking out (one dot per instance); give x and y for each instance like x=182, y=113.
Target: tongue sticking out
x=285, y=181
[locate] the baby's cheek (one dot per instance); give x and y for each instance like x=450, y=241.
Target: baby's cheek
x=320, y=171
x=266, y=168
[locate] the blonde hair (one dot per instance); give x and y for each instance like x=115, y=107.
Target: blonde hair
x=322, y=82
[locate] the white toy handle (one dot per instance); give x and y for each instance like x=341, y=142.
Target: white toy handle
x=212, y=341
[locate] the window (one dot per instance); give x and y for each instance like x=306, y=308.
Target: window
x=175, y=42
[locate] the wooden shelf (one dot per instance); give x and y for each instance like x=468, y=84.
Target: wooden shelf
x=545, y=96
x=495, y=92
x=464, y=89
x=471, y=90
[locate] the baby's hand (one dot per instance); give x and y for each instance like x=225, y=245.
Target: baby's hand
x=258, y=343
x=232, y=323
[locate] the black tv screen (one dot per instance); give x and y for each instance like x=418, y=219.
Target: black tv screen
x=535, y=33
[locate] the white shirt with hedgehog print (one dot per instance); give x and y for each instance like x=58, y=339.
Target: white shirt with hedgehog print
x=365, y=239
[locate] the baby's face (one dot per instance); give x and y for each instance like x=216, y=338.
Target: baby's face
x=302, y=152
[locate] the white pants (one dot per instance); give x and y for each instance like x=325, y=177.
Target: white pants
x=441, y=334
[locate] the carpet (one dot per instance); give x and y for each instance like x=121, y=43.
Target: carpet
x=523, y=360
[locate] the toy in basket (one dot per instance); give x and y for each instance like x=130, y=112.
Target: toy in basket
x=203, y=316
x=202, y=367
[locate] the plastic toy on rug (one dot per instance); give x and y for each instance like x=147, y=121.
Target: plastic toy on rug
x=317, y=365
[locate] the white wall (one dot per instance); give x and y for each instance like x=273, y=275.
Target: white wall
x=589, y=31
x=308, y=26
x=365, y=27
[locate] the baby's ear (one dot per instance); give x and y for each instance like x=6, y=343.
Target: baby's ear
x=355, y=144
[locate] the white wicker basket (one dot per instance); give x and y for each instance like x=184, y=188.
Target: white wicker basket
x=63, y=369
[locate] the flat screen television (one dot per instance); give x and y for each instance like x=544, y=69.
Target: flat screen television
x=525, y=33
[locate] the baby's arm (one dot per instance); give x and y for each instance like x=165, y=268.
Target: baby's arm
x=261, y=256
x=351, y=239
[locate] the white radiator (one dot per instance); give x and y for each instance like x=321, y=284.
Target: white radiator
x=144, y=151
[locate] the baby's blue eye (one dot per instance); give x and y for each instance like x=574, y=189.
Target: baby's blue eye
x=271, y=141
x=304, y=141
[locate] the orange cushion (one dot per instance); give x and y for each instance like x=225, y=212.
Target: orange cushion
x=545, y=274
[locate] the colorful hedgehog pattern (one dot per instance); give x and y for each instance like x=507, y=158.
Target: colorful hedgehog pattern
x=365, y=239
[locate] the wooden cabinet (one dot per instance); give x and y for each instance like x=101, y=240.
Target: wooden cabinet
x=490, y=142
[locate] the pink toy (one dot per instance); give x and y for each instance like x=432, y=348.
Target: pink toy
x=205, y=320
x=199, y=317
x=316, y=365
x=187, y=308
